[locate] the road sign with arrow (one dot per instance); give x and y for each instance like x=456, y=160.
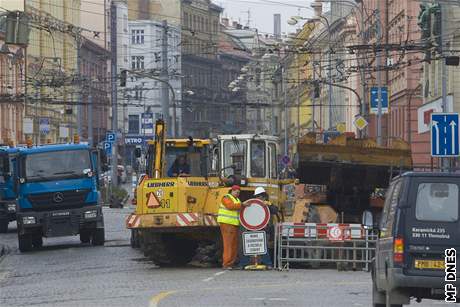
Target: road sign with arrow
x=445, y=135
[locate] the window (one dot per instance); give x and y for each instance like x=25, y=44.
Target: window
x=138, y=94
x=391, y=202
x=137, y=62
x=235, y=154
x=133, y=124
x=137, y=37
x=258, y=159
x=437, y=201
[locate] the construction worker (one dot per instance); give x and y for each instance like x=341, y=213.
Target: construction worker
x=228, y=219
x=180, y=167
x=261, y=194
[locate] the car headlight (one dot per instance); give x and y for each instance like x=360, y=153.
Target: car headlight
x=90, y=214
x=11, y=207
x=28, y=220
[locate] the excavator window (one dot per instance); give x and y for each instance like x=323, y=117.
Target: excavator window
x=193, y=159
x=258, y=169
x=234, y=153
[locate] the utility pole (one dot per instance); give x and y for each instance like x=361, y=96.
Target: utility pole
x=286, y=120
x=330, y=84
x=80, y=94
x=90, y=117
x=444, y=161
x=113, y=73
x=379, y=82
x=164, y=75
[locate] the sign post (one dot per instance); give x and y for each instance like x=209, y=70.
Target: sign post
x=255, y=218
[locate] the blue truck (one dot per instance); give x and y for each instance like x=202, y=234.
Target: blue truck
x=7, y=188
x=57, y=194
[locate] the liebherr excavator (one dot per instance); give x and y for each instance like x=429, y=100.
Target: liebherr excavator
x=174, y=215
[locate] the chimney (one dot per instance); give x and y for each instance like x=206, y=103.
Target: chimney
x=225, y=21
x=277, y=25
x=317, y=7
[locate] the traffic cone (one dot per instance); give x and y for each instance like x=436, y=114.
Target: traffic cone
x=152, y=201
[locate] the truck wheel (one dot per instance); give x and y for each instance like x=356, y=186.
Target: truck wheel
x=98, y=237
x=25, y=242
x=37, y=241
x=85, y=236
x=3, y=226
x=168, y=249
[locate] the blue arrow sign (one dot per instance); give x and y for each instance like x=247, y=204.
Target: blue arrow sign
x=110, y=137
x=375, y=99
x=445, y=135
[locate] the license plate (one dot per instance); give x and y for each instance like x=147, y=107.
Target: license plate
x=430, y=264
x=66, y=213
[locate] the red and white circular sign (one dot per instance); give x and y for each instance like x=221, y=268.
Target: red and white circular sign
x=255, y=216
x=334, y=233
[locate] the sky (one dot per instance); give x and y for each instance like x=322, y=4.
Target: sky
x=261, y=12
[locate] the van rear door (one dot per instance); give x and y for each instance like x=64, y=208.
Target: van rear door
x=431, y=223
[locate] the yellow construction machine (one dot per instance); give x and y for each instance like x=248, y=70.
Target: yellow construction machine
x=342, y=179
x=176, y=215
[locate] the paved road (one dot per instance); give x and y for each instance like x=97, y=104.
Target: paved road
x=66, y=273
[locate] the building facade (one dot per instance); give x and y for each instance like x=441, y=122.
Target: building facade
x=202, y=111
x=95, y=98
x=52, y=53
x=12, y=109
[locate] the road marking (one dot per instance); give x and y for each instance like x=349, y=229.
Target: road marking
x=160, y=296
x=214, y=276
x=157, y=298
x=279, y=299
x=3, y=276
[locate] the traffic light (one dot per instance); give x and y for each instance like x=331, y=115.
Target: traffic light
x=123, y=76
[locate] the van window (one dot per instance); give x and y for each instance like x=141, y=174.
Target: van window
x=437, y=201
x=391, y=203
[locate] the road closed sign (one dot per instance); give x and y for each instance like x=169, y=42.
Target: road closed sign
x=254, y=243
x=255, y=216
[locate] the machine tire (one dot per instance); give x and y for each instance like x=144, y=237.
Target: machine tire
x=98, y=237
x=135, y=239
x=37, y=241
x=85, y=236
x=170, y=250
x=25, y=243
x=3, y=226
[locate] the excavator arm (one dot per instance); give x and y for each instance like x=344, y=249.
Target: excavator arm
x=159, y=149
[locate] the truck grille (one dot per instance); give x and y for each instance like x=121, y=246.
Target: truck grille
x=58, y=200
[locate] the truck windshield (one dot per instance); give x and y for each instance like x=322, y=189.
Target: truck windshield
x=57, y=164
x=184, y=161
x=235, y=155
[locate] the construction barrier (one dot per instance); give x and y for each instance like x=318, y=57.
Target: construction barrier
x=349, y=246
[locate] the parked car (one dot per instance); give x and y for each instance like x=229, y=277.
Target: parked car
x=420, y=221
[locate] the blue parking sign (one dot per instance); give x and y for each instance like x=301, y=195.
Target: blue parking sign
x=108, y=148
x=445, y=135
x=110, y=137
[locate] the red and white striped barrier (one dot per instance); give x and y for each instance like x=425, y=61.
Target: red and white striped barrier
x=187, y=219
x=330, y=231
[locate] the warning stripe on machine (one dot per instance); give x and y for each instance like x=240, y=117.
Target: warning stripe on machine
x=187, y=219
x=210, y=220
x=133, y=221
